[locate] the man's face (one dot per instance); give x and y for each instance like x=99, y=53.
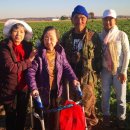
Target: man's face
x=79, y=21
x=109, y=23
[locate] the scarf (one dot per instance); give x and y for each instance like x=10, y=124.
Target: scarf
x=110, y=49
x=20, y=54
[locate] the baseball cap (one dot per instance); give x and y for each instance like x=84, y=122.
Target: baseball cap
x=109, y=13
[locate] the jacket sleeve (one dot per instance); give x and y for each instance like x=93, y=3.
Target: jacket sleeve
x=126, y=52
x=13, y=66
x=67, y=69
x=31, y=75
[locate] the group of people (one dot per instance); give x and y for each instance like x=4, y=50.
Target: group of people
x=79, y=58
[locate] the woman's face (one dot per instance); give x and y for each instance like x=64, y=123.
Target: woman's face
x=18, y=35
x=109, y=23
x=50, y=39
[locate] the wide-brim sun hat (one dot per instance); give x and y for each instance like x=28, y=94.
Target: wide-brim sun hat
x=109, y=13
x=79, y=9
x=9, y=23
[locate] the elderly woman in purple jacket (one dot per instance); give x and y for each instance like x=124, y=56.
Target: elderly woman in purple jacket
x=45, y=76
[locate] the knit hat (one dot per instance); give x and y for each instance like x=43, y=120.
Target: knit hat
x=8, y=25
x=79, y=9
x=109, y=13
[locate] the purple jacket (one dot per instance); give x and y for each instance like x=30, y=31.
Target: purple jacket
x=38, y=76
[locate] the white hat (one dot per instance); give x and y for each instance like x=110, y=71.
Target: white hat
x=109, y=13
x=8, y=25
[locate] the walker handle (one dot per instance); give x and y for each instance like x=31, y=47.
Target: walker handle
x=38, y=102
x=79, y=92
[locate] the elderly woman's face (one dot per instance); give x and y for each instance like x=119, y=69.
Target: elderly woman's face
x=50, y=39
x=18, y=35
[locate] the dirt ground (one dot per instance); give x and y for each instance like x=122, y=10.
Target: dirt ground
x=28, y=123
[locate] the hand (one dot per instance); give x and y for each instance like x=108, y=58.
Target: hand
x=76, y=83
x=32, y=55
x=122, y=78
x=34, y=93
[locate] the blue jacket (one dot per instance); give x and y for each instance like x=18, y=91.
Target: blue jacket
x=38, y=76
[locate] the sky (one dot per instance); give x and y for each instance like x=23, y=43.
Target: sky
x=58, y=8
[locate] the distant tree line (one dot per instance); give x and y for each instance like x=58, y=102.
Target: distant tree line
x=64, y=17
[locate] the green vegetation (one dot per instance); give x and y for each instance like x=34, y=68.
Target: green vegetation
x=63, y=26
x=96, y=25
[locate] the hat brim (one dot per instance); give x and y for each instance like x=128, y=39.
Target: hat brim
x=8, y=25
x=109, y=16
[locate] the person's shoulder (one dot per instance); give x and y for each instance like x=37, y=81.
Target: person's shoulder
x=4, y=42
x=93, y=34
x=66, y=34
x=59, y=48
x=40, y=50
x=123, y=34
x=65, y=37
